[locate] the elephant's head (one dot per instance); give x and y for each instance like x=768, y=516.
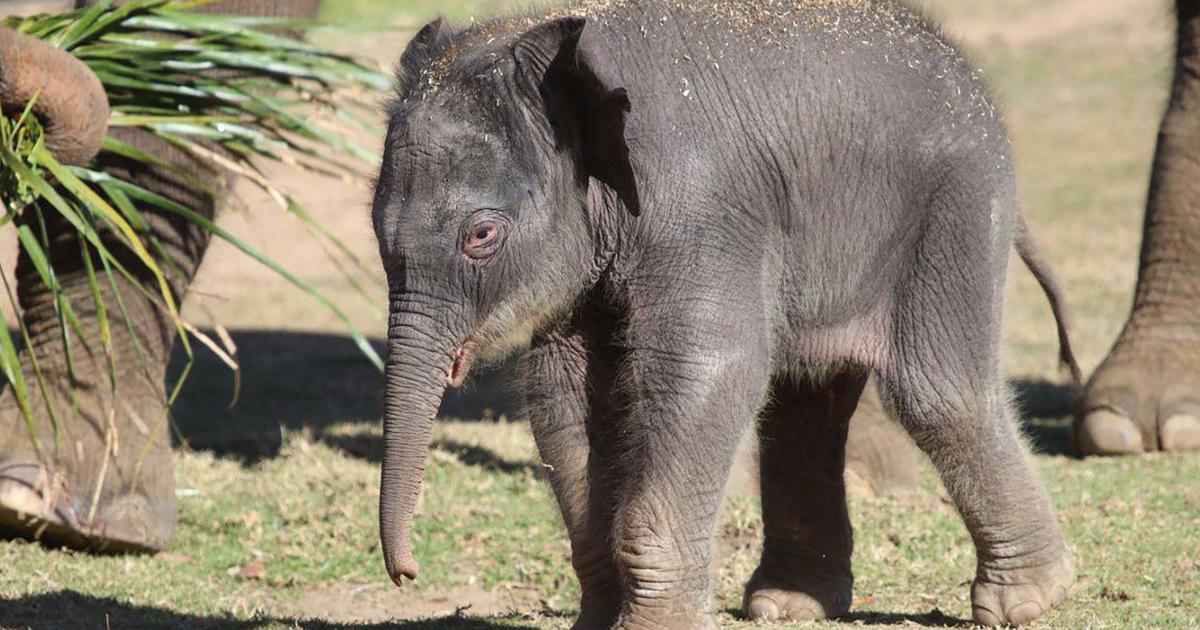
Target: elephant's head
x=482, y=217
x=71, y=103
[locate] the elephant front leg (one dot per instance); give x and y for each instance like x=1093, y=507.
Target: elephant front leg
x=805, y=569
x=694, y=394
x=569, y=384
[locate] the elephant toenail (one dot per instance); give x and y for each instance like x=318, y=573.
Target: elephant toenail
x=762, y=608
x=1105, y=432
x=1024, y=612
x=1180, y=432
x=20, y=498
x=984, y=616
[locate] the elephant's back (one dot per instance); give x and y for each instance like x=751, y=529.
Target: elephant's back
x=810, y=85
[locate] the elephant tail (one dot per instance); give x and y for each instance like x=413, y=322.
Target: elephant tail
x=1031, y=255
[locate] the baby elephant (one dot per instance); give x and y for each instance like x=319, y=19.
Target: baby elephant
x=704, y=211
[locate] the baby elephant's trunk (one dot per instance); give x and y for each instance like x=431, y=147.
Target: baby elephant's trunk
x=416, y=380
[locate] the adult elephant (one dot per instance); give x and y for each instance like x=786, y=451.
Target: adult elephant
x=107, y=479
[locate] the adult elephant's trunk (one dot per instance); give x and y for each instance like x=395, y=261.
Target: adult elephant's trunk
x=71, y=103
x=419, y=361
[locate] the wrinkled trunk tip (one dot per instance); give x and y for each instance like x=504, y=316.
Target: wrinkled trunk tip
x=400, y=564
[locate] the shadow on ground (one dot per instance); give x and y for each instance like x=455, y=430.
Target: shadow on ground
x=932, y=619
x=370, y=448
x=935, y=618
x=296, y=381
x=1046, y=411
x=69, y=610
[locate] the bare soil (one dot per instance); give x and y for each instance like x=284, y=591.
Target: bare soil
x=356, y=603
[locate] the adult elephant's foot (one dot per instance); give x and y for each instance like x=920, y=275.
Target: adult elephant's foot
x=1144, y=397
x=110, y=491
x=1018, y=596
x=97, y=471
x=798, y=589
x=880, y=456
x=592, y=621
x=1146, y=394
x=35, y=504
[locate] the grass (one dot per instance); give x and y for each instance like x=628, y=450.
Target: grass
x=374, y=14
x=488, y=523
x=1082, y=97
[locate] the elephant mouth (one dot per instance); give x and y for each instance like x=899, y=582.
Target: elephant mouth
x=463, y=357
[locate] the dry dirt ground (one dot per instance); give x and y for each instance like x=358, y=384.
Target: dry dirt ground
x=1082, y=83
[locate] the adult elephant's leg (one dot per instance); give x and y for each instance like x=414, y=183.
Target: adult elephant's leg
x=267, y=8
x=105, y=478
x=805, y=568
x=879, y=454
x=1145, y=396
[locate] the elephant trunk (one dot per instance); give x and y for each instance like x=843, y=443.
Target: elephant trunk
x=418, y=365
x=71, y=102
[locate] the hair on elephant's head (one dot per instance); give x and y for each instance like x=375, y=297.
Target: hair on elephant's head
x=482, y=217
x=67, y=97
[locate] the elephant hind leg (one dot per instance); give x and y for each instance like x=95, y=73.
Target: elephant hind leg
x=805, y=571
x=943, y=377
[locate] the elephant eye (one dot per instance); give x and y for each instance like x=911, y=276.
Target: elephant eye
x=482, y=240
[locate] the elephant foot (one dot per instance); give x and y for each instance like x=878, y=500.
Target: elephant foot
x=98, y=481
x=40, y=506
x=802, y=594
x=694, y=620
x=1144, y=397
x=1018, y=596
x=598, y=615
x=587, y=621
x=880, y=456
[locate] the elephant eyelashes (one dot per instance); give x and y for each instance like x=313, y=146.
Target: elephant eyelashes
x=482, y=240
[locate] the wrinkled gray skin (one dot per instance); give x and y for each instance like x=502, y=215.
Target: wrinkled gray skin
x=703, y=214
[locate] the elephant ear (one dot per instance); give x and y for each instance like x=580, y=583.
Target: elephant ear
x=586, y=108
x=422, y=49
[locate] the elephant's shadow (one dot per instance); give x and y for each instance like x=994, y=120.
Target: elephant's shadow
x=297, y=381
x=71, y=610
x=65, y=609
